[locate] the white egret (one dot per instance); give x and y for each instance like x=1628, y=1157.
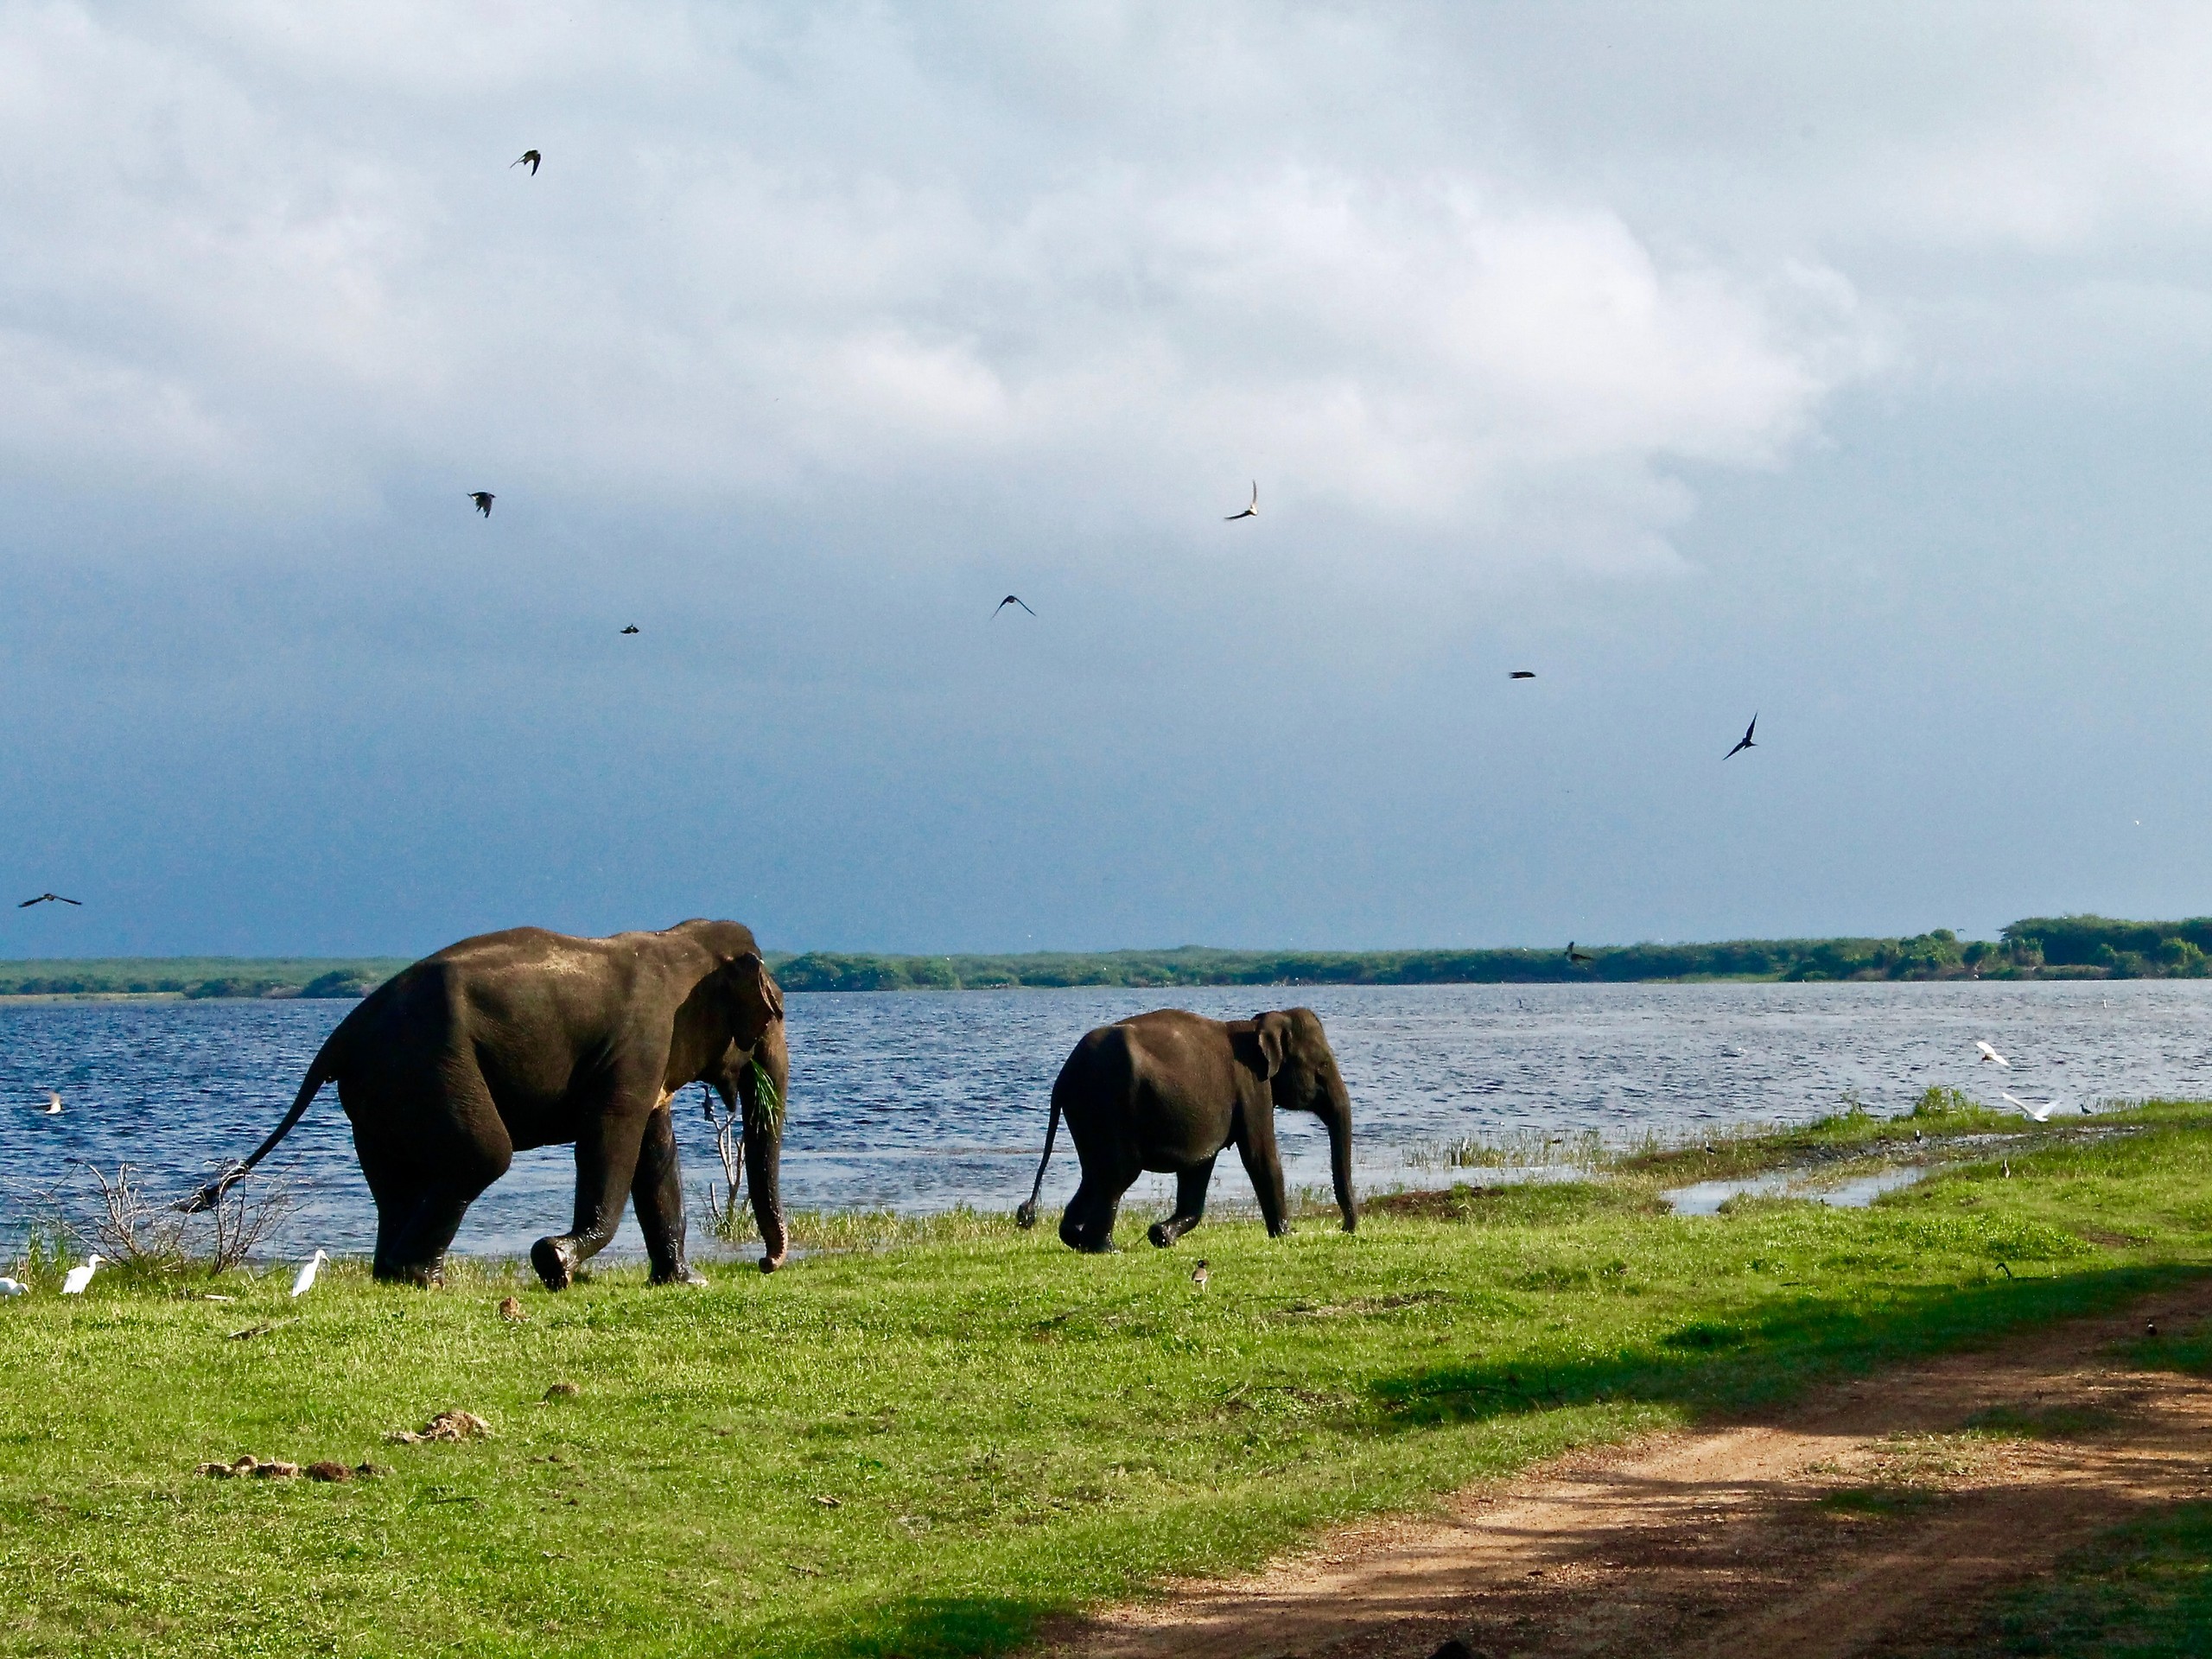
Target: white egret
x=80, y=1276
x=2040, y=1114
x=14, y=1288
x=1989, y=1054
x=305, y=1282
x=53, y=1103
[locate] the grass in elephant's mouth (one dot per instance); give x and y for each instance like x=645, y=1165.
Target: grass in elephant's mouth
x=923, y=1451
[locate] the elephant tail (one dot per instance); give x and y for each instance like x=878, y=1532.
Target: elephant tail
x=323, y=1069
x=1026, y=1217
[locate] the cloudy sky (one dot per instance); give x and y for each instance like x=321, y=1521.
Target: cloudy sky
x=1851, y=368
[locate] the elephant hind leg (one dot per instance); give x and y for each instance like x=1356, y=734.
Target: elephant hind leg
x=1190, y=1204
x=1088, y=1223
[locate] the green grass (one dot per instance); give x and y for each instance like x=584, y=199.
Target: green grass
x=1007, y=1429
x=2143, y=1591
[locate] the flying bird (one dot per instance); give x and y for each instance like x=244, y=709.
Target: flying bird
x=1198, y=1274
x=2040, y=1114
x=52, y=1105
x=49, y=898
x=1252, y=511
x=79, y=1277
x=483, y=498
x=632, y=628
x=1574, y=955
x=1522, y=674
x=1746, y=743
x=529, y=156
x=14, y=1288
x=1989, y=1054
x=1012, y=599
x=304, y=1281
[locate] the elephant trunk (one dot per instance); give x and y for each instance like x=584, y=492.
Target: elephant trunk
x=763, y=1141
x=1339, y=1125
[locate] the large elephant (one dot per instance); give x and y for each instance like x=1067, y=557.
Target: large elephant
x=529, y=1038
x=1168, y=1090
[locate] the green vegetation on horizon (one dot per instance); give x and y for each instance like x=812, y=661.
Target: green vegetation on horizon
x=2066, y=947
x=927, y=1451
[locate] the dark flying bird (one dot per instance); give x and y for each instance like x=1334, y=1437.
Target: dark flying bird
x=1012, y=599
x=1746, y=743
x=1522, y=674
x=529, y=156
x=49, y=898
x=1574, y=955
x=1252, y=511
x=632, y=628
x=483, y=498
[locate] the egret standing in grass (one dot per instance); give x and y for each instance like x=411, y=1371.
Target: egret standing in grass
x=13, y=1287
x=304, y=1280
x=79, y=1277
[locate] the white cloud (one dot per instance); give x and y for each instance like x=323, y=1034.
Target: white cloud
x=286, y=243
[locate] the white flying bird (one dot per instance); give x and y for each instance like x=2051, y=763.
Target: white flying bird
x=1252, y=511
x=1989, y=1054
x=305, y=1280
x=2041, y=1114
x=79, y=1277
x=14, y=1288
x=52, y=1104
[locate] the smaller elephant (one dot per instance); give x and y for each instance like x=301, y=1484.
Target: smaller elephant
x=1168, y=1090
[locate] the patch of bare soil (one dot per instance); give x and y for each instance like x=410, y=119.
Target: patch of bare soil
x=1877, y=1518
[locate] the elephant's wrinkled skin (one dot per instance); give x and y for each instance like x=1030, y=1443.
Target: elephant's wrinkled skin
x=1168, y=1090
x=529, y=1038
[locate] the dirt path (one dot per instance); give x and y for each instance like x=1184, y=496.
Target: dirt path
x=1863, y=1520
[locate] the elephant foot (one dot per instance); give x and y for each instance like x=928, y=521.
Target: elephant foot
x=686, y=1275
x=769, y=1263
x=1162, y=1235
x=423, y=1276
x=556, y=1263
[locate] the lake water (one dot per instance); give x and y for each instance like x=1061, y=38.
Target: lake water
x=923, y=1101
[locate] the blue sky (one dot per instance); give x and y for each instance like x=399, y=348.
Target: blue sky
x=1849, y=367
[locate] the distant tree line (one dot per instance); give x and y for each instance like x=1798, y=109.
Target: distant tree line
x=2042, y=947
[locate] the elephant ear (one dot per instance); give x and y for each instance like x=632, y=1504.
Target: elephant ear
x=1272, y=1033
x=750, y=975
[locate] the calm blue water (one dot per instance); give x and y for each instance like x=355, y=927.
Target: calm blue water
x=923, y=1101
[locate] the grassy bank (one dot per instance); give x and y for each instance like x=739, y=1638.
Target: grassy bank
x=924, y=1450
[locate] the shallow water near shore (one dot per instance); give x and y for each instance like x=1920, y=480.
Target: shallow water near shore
x=919, y=1101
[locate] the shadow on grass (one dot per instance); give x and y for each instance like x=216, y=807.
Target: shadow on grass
x=1777, y=1351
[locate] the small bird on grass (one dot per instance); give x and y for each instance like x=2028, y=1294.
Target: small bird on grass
x=2150, y=1327
x=304, y=1281
x=80, y=1276
x=1012, y=599
x=49, y=898
x=483, y=498
x=1252, y=511
x=14, y=1288
x=1198, y=1274
x=531, y=156
x=512, y=1309
x=1989, y=1054
x=1746, y=742
x=52, y=1105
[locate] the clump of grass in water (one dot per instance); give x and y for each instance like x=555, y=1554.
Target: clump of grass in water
x=1521, y=1149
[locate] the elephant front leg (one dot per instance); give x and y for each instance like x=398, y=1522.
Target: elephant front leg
x=1264, y=1163
x=606, y=1161
x=763, y=1141
x=1190, y=1204
x=657, y=1197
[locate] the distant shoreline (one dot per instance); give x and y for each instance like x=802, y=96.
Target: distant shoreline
x=2068, y=947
